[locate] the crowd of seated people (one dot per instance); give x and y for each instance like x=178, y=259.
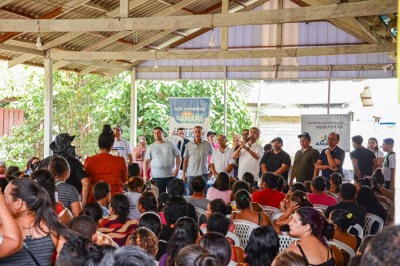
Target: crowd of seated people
x=128, y=221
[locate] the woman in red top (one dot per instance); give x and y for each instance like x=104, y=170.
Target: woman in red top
x=269, y=194
x=106, y=167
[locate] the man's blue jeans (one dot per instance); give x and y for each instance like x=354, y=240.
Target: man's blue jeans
x=163, y=183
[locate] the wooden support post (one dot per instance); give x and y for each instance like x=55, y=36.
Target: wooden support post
x=48, y=105
x=133, y=123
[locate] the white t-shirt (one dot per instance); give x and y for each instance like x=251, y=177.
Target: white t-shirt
x=247, y=163
x=123, y=147
x=134, y=212
x=388, y=163
x=222, y=159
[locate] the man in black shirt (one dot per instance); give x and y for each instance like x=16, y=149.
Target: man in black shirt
x=182, y=146
x=277, y=161
x=363, y=159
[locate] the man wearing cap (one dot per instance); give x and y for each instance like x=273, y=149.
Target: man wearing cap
x=389, y=163
x=363, y=160
x=78, y=177
x=3, y=169
x=331, y=159
x=211, y=136
x=250, y=153
x=304, y=160
x=277, y=161
x=122, y=146
x=195, y=158
x=164, y=158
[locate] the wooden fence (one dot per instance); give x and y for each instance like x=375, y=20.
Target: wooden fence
x=8, y=119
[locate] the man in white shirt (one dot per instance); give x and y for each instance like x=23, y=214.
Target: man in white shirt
x=121, y=146
x=221, y=159
x=165, y=159
x=250, y=155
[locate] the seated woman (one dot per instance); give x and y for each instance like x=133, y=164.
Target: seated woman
x=118, y=225
x=297, y=199
x=42, y=233
x=243, y=203
x=367, y=198
x=269, y=195
x=46, y=180
x=144, y=238
x=220, y=189
x=285, y=203
x=263, y=246
x=318, y=186
x=313, y=230
x=243, y=185
x=186, y=232
x=335, y=180
x=380, y=179
x=218, y=205
x=342, y=220
x=218, y=245
x=249, y=179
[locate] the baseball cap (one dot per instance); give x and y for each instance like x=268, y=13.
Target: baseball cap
x=61, y=142
x=209, y=133
x=118, y=127
x=389, y=141
x=305, y=134
x=278, y=139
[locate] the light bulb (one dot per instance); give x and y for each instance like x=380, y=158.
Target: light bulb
x=211, y=43
x=155, y=64
x=38, y=42
x=296, y=63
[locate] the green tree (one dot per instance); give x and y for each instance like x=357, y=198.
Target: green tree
x=83, y=104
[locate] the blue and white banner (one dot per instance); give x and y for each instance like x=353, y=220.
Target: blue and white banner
x=320, y=126
x=188, y=113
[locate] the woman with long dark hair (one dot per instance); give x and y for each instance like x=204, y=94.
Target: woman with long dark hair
x=263, y=246
x=313, y=230
x=42, y=231
x=243, y=203
x=106, y=167
x=118, y=225
x=367, y=198
x=220, y=189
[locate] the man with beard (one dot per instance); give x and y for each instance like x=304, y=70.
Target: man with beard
x=277, y=161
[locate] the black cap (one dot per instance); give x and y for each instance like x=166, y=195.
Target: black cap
x=209, y=133
x=61, y=142
x=277, y=139
x=305, y=134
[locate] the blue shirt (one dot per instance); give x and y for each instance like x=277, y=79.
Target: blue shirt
x=338, y=154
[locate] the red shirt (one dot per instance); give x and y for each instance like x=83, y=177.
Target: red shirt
x=106, y=167
x=268, y=197
x=323, y=199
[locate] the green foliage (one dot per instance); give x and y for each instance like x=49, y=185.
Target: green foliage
x=82, y=105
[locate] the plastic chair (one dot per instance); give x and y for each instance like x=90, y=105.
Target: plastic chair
x=200, y=212
x=370, y=219
x=274, y=217
x=320, y=207
x=243, y=230
x=360, y=230
x=270, y=211
x=284, y=241
x=342, y=246
x=234, y=237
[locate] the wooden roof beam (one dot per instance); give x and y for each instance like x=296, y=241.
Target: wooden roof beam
x=231, y=54
x=289, y=15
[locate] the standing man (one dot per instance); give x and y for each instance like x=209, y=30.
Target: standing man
x=363, y=160
x=245, y=136
x=389, y=163
x=182, y=144
x=164, y=159
x=221, y=159
x=277, y=161
x=331, y=159
x=249, y=153
x=304, y=160
x=195, y=158
x=122, y=146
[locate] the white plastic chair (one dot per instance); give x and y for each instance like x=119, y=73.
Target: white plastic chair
x=243, y=230
x=199, y=212
x=284, y=242
x=342, y=246
x=234, y=237
x=270, y=211
x=370, y=219
x=360, y=230
x=275, y=217
x=320, y=207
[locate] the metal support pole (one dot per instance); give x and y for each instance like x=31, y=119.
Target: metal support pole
x=133, y=123
x=225, y=101
x=329, y=88
x=48, y=105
